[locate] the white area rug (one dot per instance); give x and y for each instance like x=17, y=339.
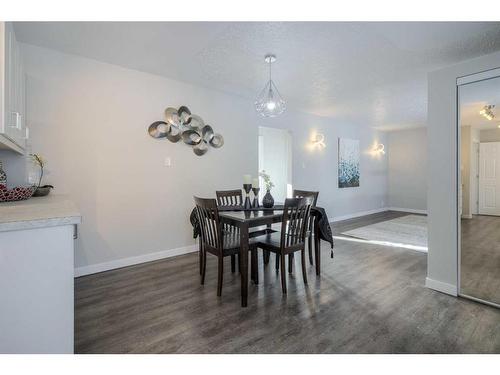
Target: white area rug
x=407, y=231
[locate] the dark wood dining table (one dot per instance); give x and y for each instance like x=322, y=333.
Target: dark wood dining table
x=250, y=218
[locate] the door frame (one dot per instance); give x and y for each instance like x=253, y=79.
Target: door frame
x=463, y=81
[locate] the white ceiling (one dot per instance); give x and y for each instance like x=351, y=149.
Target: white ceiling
x=373, y=73
x=473, y=97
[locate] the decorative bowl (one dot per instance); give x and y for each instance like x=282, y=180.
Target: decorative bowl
x=42, y=191
x=18, y=193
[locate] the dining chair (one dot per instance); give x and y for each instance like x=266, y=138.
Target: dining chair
x=291, y=238
x=305, y=194
x=229, y=197
x=234, y=198
x=218, y=242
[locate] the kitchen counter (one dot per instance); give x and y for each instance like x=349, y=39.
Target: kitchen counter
x=38, y=212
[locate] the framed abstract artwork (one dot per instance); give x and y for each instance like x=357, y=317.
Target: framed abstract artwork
x=348, y=168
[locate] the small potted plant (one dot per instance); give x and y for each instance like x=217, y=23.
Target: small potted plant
x=44, y=190
x=268, y=200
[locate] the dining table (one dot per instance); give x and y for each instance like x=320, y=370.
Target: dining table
x=246, y=218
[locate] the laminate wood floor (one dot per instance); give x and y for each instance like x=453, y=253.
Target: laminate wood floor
x=369, y=299
x=480, y=266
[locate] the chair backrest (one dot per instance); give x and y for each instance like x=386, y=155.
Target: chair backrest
x=229, y=197
x=305, y=194
x=208, y=217
x=296, y=213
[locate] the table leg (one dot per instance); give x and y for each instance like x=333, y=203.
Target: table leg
x=244, y=264
x=266, y=253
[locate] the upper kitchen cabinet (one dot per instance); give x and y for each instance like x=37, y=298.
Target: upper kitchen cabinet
x=12, y=92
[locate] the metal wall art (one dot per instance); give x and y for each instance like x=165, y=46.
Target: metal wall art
x=182, y=124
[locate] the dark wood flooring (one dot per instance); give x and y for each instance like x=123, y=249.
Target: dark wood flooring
x=369, y=299
x=480, y=266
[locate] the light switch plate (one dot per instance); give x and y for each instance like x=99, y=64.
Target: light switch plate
x=167, y=162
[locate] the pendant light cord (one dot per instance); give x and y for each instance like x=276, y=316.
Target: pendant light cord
x=270, y=63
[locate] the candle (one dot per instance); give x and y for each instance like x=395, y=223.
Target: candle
x=247, y=179
x=255, y=183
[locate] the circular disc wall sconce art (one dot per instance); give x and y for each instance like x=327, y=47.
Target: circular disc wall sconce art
x=182, y=124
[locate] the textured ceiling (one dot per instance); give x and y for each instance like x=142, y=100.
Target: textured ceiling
x=372, y=73
x=473, y=97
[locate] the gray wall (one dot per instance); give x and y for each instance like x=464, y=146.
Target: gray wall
x=315, y=169
x=407, y=177
x=15, y=167
x=442, y=168
x=89, y=120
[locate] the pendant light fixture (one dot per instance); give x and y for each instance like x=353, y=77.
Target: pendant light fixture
x=269, y=103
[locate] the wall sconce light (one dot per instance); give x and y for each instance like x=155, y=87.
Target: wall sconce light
x=319, y=141
x=379, y=149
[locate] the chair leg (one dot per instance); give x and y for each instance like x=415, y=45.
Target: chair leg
x=290, y=263
x=277, y=265
x=303, y=261
x=220, y=272
x=238, y=261
x=310, y=246
x=203, y=266
x=201, y=256
x=283, y=273
x=255, y=266
x=233, y=263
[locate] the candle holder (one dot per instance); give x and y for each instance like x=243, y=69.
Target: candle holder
x=256, y=197
x=247, y=188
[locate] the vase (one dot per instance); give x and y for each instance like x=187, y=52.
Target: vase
x=268, y=200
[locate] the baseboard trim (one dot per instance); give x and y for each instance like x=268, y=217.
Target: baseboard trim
x=125, y=262
x=410, y=210
x=357, y=214
x=441, y=287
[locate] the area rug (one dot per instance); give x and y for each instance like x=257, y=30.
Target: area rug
x=407, y=231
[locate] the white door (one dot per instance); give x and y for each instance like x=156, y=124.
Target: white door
x=489, y=178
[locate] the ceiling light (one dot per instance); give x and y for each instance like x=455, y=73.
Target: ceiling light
x=487, y=112
x=269, y=103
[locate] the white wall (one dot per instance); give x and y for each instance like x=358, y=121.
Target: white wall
x=442, y=163
x=89, y=120
x=15, y=167
x=407, y=165
x=315, y=169
x=465, y=164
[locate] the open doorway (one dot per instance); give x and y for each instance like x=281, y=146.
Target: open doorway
x=275, y=157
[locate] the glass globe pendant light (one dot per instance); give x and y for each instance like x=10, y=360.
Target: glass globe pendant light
x=269, y=103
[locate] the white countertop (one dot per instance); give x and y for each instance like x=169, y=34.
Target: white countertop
x=38, y=212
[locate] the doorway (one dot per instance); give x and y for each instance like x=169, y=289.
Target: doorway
x=275, y=157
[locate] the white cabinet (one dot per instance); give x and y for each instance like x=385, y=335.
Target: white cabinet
x=37, y=275
x=12, y=91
